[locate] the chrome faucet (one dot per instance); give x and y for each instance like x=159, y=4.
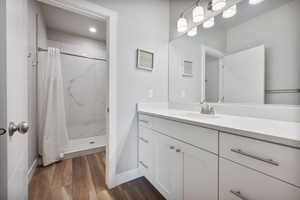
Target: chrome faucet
x=207, y=109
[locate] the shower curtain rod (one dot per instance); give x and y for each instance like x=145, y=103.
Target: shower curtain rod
x=76, y=55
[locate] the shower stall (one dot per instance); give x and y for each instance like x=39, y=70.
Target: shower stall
x=84, y=77
x=85, y=89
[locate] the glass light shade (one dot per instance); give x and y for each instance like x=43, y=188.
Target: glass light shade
x=92, y=29
x=218, y=4
x=193, y=32
x=254, y=2
x=198, y=14
x=182, y=24
x=209, y=23
x=230, y=12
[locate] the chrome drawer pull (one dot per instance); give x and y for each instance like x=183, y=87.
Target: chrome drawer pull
x=238, y=194
x=266, y=160
x=144, y=121
x=144, y=140
x=144, y=165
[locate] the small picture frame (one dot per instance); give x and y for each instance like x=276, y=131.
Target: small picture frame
x=187, y=68
x=145, y=60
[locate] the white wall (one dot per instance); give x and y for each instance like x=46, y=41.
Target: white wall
x=279, y=31
x=185, y=88
x=33, y=135
x=142, y=24
x=85, y=84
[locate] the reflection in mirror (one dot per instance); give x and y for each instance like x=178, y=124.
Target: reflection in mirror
x=213, y=70
x=252, y=57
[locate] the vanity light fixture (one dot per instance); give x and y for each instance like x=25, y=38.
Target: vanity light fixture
x=182, y=24
x=193, y=32
x=230, y=12
x=198, y=13
x=254, y=2
x=92, y=29
x=209, y=23
x=218, y=4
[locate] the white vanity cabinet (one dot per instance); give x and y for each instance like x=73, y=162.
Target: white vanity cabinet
x=187, y=162
x=177, y=169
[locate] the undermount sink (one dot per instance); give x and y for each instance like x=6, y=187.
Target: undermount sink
x=196, y=115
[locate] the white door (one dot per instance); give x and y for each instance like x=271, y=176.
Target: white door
x=14, y=99
x=244, y=76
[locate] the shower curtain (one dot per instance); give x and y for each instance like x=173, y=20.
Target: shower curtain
x=52, y=128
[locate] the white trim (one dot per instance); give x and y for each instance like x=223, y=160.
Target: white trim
x=128, y=176
x=97, y=12
x=3, y=99
x=32, y=169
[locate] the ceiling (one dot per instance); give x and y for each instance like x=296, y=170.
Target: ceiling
x=69, y=22
x=246, y=12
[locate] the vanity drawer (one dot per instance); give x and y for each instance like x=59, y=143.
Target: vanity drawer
x=275, y=160
x=197, y=136
x=146, y=151
x=238, y=182
x=145, y=121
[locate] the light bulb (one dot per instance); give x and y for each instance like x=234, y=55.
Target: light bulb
x=218, y=4
x=92, y=29
x=192, y=32
x=209, y=23
x=198, y=14
x=182, y=24
x=254, y=2
x=230, y=12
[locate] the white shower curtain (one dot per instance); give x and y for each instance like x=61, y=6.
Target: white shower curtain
x=53, y=134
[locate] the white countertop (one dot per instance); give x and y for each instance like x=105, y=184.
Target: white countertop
x=280, y=132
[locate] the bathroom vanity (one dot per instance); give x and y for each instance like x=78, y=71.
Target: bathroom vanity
x=190, y=156
x=248, y=150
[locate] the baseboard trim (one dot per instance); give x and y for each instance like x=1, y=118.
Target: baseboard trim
x=32, y=169
x=127, y=176
x=74, y=154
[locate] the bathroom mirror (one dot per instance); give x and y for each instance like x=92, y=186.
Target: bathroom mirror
x=249, y=58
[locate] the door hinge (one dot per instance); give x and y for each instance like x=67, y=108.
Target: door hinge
x=2, y=131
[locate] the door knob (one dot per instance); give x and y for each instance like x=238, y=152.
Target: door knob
x=2, y=131
x=22, y=128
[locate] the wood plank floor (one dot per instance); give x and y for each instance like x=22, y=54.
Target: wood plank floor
x=83, y=178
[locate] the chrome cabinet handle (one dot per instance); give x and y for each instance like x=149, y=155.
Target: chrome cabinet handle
x=178, y=150
x=266, y=160
x=144, y=140
x=2, y=131
x=144, y=165
x=172, y=147
x=144, y=121
x=238, y=194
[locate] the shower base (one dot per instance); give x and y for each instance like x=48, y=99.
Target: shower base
x=85, y=146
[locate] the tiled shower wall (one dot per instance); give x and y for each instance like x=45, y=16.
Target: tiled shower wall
x=85, y=84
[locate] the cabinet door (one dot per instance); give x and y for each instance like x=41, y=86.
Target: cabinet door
x=200, y=174
x=166, y=170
